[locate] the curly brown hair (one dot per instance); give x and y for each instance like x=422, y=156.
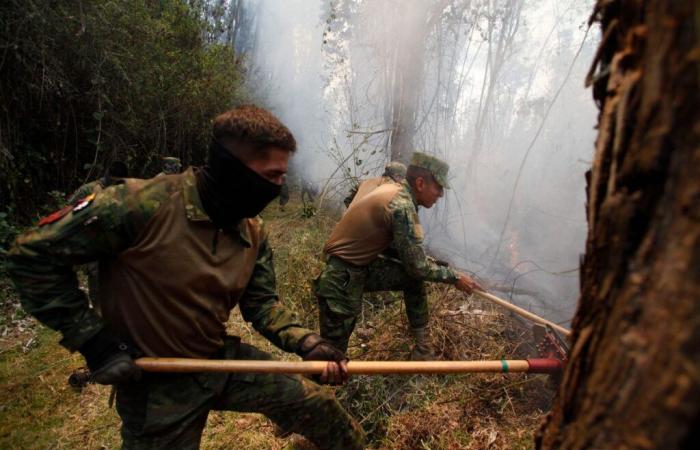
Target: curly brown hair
x=247, y=130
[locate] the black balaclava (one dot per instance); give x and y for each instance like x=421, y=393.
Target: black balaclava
x=230, y=190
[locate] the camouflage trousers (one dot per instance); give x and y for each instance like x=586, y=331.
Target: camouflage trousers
x=339, y=291
x=169, y=411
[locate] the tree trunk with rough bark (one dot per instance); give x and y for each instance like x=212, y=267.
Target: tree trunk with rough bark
x=633, y=380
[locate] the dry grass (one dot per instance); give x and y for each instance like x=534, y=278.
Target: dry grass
x=39, y=410
x=475, y=411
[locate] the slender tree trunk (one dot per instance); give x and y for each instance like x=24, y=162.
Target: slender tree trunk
x=633, y=380
x=408, y=80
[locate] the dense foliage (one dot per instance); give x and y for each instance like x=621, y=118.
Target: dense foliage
x=86, y=83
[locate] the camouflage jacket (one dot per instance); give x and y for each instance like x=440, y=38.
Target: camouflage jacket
x=169, y=277
x=408, y=239
x=386, y=218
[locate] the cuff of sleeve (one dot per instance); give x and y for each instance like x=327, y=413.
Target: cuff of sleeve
x=100, y=348
x=296, y=338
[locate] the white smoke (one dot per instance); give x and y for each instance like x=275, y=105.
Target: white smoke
x=326, y=78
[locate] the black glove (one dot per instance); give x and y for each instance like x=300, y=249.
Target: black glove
x=313, y=347
x=109, y=360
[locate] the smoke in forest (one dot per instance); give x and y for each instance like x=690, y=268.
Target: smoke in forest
x=495, y=87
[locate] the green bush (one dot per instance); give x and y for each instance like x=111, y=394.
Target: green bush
x=8, y=230
x=86, y=83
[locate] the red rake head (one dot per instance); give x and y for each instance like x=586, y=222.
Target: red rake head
x=552, y=351
x=550, y=344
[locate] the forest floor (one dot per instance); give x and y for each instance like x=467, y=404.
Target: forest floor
x=483, y=411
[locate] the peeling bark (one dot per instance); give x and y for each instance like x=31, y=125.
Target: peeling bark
x=633, y=380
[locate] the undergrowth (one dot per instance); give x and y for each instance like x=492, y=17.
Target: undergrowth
x=480, y=411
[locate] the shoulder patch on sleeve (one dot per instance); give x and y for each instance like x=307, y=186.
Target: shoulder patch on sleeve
x=55, y=216
x=61, y=213
x=83, y=203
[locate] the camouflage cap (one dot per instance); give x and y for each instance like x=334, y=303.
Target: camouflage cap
x=171, y=160
x=171, y=165
x=395, y=168
x=435, y=166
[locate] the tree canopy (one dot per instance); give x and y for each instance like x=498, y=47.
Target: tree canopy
x=86, y=83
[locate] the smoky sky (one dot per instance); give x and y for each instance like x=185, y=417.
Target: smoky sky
x=501, y=97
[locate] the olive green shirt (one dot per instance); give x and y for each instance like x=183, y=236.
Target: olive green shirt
x=365, y=188
x=385, y=216
x=168, y=276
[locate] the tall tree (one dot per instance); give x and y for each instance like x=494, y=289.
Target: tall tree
x=407, y=74
x=502, y=24
x=399, y=73
x=85, y=83
x=633, y=380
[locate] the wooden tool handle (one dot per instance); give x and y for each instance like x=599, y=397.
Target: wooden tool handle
x=522, y=312
x=316, y=367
